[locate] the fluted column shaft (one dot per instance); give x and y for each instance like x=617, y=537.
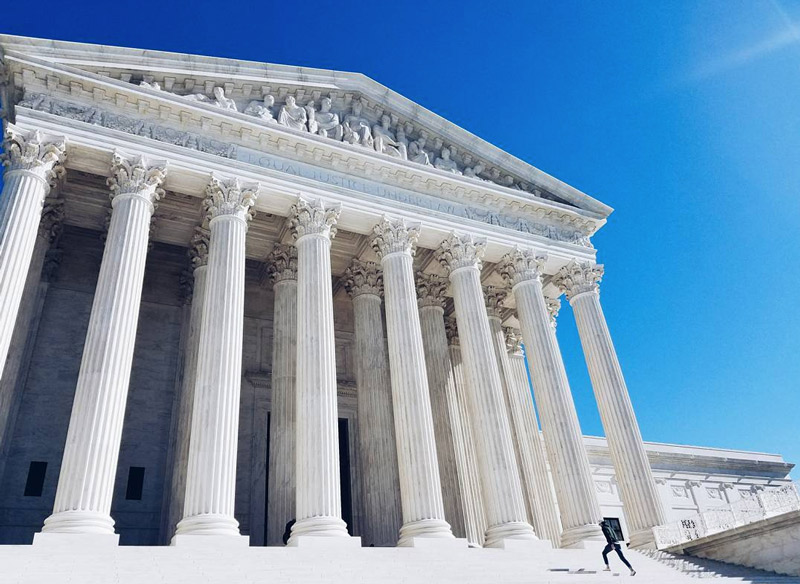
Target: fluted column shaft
x=546, y=520
x=500, y=480
x=420, y=483
x=32, y=163
x=183, y=424
x=464, y=441
x=643, y=507
x=89, y=465
x=577, y=499
x=440, y=382
x=281, y=486
x=21, y=347
x=318, y=507
x=377, y=446
x=211, y=472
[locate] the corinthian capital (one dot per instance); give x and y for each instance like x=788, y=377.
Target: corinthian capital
x=198, y=250
x=513, y=341
x=231, y=198
x=451, y=329
x=430, y=290
x=313, y=218
x=394, y=236
x=35, y=153
x=553, y=306
x=282, y=263
x=136, y=176
x=363, y=278
x=50, y=225
x=494, y=300
x=461, y=251
x=579, y=277
x=521, y=265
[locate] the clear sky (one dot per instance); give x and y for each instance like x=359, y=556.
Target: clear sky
x=683, y=116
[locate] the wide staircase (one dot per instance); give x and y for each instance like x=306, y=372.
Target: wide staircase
x=155, y=565
x=703, y=568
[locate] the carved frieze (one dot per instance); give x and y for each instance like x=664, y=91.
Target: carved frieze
x=488, y=209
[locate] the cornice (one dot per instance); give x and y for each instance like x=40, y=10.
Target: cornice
x=247, y=74
x=82, y=88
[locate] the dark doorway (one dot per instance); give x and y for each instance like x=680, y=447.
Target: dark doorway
x=266, y=484
x=344, y=473
x=345, y=482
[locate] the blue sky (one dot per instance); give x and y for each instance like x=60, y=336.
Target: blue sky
x=683, y=116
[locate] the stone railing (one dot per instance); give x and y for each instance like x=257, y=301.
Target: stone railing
x=763, y=504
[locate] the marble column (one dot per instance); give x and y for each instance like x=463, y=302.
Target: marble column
x=431, y=298
x=89, y=466
x=643, y=507
x=469, y=482
x=211, y=472
x=380, y=480
x=22, y=340
x=319, y=505
x=503, y=500
x=33, y=163
x=420, y=484
x=282, y=272
x=546, y=522
x=572, y=476
x=198, y=254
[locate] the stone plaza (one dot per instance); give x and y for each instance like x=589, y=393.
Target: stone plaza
x=250, y=305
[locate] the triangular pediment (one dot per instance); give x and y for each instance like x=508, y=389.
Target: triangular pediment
x=348, y=108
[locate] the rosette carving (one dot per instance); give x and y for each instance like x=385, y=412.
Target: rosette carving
x=461, y=251
x=394, y=236
x=363, y=278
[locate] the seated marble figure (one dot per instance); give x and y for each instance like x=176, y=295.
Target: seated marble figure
x=444, y=162
x=261, y=109
x=293, y=115
x=356, y=127
x=385, y=142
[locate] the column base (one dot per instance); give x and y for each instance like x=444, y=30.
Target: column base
x=434, y=543
x=79, y=522
x=576, y=537
x=211, y=542
x=424, y=529
x=66, y=540
x=643, y=539
x=322, y=542
x=321, y=526
x=208, y=524
x=496, y=535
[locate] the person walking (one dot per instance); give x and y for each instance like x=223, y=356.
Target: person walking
x=613, y=544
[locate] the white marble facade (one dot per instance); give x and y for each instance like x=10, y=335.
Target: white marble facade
x=229, y=292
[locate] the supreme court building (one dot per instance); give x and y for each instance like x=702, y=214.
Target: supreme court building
x=238, y=294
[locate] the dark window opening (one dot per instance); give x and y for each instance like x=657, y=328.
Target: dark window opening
x=35, y=482
x=344, y=473
x=135, y=483
x=616, y=527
